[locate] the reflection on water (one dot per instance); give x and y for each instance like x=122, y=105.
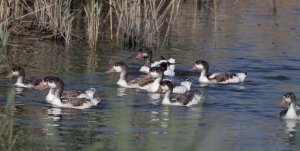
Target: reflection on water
x=248, y=37
x=121, y=91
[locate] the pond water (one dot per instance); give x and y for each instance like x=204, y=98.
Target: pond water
x=240, y=36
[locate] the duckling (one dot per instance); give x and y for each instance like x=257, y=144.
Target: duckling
x=146, y=54
x=79, y=102
x=122, y=68
x=292, y=112
x=220, y=78
x=23, y=82
x=88, y=94
x=157, y=73
x=179, y=99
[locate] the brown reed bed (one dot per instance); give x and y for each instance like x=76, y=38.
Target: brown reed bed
x=136, y=22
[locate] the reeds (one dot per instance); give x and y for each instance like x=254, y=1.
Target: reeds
x=55, y=17
x=4, y=21
x=136, y=22
x=142, y=21
x=93, y=12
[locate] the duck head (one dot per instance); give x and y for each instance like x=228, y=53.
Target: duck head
x=288, y=98
x=49, y=82
x=166, y=85
x=118, y=67
x=16, y=72
x=144, y=53
x=201, y=65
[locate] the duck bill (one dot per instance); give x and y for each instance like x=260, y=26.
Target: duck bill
x=283, y=102
x=110, y=71
x=194, y=69
x=139, y=56
x=41, y=86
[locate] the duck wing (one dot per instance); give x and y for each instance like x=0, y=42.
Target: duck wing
x=184, y=99
x=222, y=77
x=72, y=93
x=145, y=82
x=75, y=102
x=141, y=81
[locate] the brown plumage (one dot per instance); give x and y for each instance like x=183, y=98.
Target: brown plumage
x=222, y=77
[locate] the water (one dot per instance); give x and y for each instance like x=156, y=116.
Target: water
x=245, y=36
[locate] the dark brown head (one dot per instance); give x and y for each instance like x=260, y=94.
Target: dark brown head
x=144, y=53
x=166, y=85
x=120, y=67
x=16, y=72
x=53, y=82
x=201, y=65
x=288, y=98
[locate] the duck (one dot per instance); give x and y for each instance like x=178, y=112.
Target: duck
x=157, y=73
x=217, y=78
x=23, y=82
x=179, y=99
x=82, y=101
x=88, y=94
x=122, y=68
x=146, y=55
x=293, y=111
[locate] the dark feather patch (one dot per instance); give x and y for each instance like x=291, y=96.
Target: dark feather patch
x=71, y=93
x=74, y=101
x=222, y=77
x=184, y=99
x=145, y=82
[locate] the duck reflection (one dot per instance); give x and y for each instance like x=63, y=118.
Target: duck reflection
x=19, y=91
x=121, y=91
x=55, y=114
x=154, y=97
x=160, y=118
x=291, y=129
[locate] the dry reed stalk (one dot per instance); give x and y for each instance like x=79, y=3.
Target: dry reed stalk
x=93, y=12
x=143, y=22
x=55, y=16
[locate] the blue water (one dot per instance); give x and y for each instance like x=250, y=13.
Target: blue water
x=234, y=117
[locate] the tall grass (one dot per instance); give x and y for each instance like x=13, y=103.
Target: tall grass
x=4, y=21
x=93, y=12
x=136, y=22
x=142, y=21
x=55, y=16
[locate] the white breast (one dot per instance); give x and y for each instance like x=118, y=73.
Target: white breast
x=144, y=69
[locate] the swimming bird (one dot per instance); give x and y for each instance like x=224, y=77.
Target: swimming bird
x=179, y=99
x=57, y=85
x=88, y=94
x=220, y=78
x=146, y=55
x=293, y=111
x=122, y=68
x=23, y=82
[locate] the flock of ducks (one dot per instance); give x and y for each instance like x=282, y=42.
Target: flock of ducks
x=154, y=81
